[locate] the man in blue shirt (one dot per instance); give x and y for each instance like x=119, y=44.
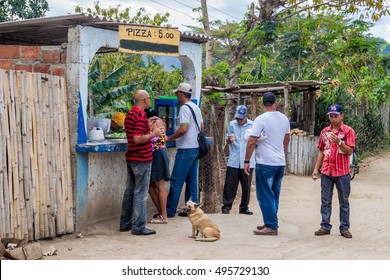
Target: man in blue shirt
x=236, y=138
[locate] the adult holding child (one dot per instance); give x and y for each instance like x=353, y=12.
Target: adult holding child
x=139, y=163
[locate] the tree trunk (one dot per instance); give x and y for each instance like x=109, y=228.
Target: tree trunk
x=206, y=26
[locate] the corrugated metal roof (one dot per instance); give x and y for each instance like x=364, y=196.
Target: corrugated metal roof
x=54, y=30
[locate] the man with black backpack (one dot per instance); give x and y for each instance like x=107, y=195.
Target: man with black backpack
x=186, y=164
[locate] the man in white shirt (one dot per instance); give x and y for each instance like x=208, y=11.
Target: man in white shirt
x=186, y=164
x=274, y=128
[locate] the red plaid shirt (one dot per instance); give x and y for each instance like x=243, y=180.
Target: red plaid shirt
x=336, y=163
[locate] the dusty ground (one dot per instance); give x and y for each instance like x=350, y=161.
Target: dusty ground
x=299, y=218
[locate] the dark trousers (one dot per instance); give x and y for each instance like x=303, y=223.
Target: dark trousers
x=233, y=177
x=343, y=186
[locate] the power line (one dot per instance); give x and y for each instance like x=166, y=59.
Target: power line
x=192, y=8
x=221, y=11
x=171, y=8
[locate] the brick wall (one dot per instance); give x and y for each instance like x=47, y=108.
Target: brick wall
x=38, y=59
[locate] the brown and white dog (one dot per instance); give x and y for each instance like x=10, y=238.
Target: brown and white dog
x=201, y=223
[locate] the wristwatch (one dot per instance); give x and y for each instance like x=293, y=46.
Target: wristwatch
x=247, y=161
x=341, y=142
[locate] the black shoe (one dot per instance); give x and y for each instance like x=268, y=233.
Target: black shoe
x=145, y=231
x=170, y=215
x=225, y=211
x=246, y=212
x=125, y=229
x=183, y=214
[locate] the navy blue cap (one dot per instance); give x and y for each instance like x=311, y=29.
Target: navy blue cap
x=335, y=109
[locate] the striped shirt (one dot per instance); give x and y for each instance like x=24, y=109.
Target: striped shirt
x=336, y=163
x=136, y=124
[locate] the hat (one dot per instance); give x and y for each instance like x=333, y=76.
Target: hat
x=269, y=98
x=150, y=112
x=119, y=118
x=240, y=112
x=335, y=109
x=184, y=87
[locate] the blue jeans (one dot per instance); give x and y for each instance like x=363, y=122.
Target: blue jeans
x=185, y=170
x=268, y=184
x=133, y=214
x=343, y=186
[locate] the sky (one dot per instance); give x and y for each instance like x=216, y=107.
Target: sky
x=181, y=13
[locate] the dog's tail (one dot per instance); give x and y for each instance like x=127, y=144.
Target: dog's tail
x=207, y=239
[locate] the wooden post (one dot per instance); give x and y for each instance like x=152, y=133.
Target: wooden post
x=286, y=102
x=312, y=112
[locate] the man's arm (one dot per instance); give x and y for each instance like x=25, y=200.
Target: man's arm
x=320, y=159
x=250, y=146
x=286, y=141
x=178, y=133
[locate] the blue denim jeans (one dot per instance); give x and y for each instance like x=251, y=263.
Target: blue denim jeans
x=268, y=184
x=343, y=186
x=133, y=214
x=185, y=170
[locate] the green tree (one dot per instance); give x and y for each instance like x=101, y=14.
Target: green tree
x=116, y=12
x=11, y=10
x=257, y=30
x=113, y=77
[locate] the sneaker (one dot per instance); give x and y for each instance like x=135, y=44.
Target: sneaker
x=346, y=234
x=321, y=231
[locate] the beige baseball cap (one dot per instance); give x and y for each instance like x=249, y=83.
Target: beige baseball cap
x=184, y=87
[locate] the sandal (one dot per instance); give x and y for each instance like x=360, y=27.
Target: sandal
x=159, y=220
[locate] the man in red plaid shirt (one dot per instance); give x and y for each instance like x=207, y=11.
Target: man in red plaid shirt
x=336, y=144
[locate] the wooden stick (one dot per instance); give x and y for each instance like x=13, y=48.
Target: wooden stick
x=3, y=162
x=14, y=188
x=24, y=168
x=42, y=160
x=69, y=190
x=33, y=155
x=45, y=156
x=58, y=152
x=41, y=207
x=8, y=175
x=52, y=157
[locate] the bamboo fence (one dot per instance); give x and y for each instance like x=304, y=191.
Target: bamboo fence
x=302, y=155
x=35, y=175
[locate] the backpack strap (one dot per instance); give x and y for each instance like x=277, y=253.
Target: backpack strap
x=193, y=115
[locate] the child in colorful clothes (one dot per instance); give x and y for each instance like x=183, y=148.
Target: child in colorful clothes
x=160, y=169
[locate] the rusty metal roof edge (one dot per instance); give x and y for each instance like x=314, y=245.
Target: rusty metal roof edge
x=89, y=19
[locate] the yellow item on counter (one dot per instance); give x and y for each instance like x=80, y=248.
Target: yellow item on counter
x=119, y=118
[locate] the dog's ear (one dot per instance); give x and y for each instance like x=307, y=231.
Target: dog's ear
x=198, y=204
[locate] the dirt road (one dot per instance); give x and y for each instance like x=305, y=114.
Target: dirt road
x=299, y=217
